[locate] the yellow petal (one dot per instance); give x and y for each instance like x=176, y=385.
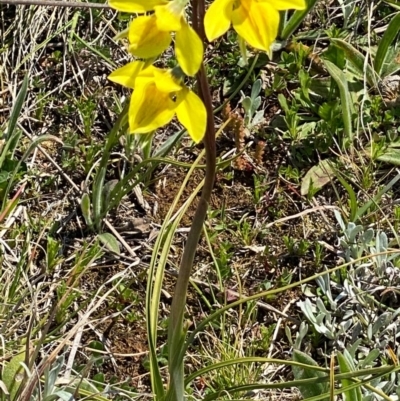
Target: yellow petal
x=257, y=23
x=165, y=82
x=145, y=39
x=218, y=18
x=149, y=109
x=192, y=114
x=287, y=4
x=135, y=6
x=127, y=74
x=188, y=49
x=169, y=16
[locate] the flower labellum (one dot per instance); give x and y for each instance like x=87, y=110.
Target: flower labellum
x=150, y=35
x=256, y=21
x=158, y=96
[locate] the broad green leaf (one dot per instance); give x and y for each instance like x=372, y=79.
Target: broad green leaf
x=318, y=176
x=13, y=374
x=387, y=39
x=320, y=87
x=357, y=59
x=391, y=156
x=345, y=98
x=346, y=366
x=312, y=389
x=110, y=242
x=391, y=66
x=85, y=207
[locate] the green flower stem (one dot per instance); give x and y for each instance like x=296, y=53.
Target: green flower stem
x=176, y=334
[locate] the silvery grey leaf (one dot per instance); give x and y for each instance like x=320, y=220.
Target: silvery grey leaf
x=370, y=358
x=368, y=236
x=353, y=348
x=256, y=89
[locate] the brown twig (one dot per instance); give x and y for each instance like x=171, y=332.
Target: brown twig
x=54, y=3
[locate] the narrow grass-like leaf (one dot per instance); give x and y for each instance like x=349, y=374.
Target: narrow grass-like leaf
x=357, y=59
x=95, y=51
x=37, y=141
x=296, y=19
x=12, y=136
x=298, y=383
x=375, y=200
x=98, y=182
x=387, y=39
x=332, y=378
x=209, y=319
x=253, y=359
x=42, y=45
x=72, y=31
x=352, y=196
x=158, y=262
x=345, y=366
x=16, y=111
x=345, y=99
x=394, y=3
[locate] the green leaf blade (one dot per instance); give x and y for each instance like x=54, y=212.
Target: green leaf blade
x=347, y=106
x=387, y=39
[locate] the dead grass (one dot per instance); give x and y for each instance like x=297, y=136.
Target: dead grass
x=68, y=306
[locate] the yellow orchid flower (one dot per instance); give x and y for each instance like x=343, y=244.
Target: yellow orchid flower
x=158, y=96
x=135, y=6
x=256, y=21
x=150, y=35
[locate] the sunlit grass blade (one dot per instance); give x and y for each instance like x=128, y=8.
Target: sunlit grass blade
x=347, y=366
x=332, y=378
x=375, y=200
x=346, y=102
x=42, y=45
x=209, y=319
x=16, y=111
x=254, y=359
x=296, y=19
x=297, y=383
x=387, y=39
x=158, y=262
x=37, y=141
x=98, y=182
x=352, y=196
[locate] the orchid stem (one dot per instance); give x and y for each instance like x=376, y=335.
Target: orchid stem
x=175, y=331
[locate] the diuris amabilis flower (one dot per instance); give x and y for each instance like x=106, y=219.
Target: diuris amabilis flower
x=157, y=97
x=256, y=21
x=150, y=35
